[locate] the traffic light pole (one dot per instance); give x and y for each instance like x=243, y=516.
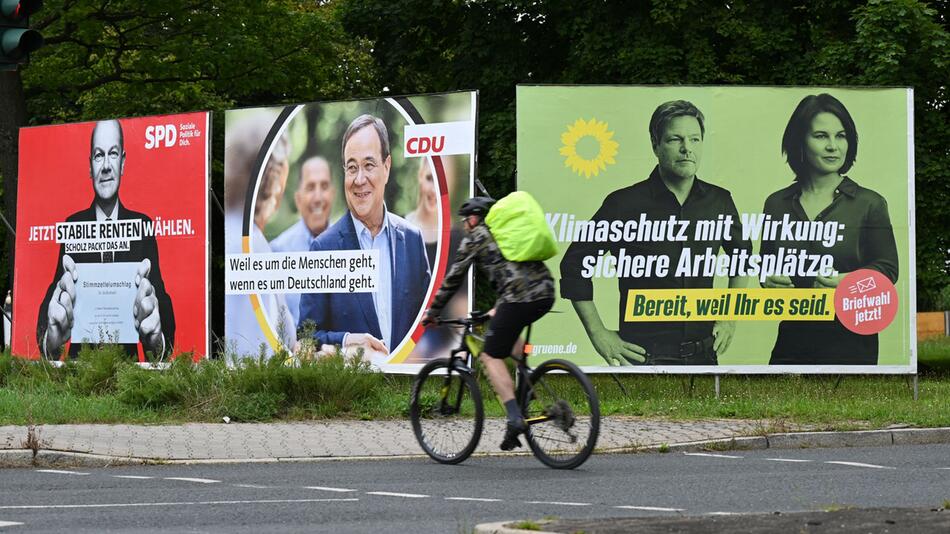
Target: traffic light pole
x=17, y=39
x=12, y=117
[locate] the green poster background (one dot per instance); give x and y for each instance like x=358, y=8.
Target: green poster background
x=742, y=152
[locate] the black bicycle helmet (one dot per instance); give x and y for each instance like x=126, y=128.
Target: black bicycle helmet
x=476, y=206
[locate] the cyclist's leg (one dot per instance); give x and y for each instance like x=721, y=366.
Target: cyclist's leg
x=518, y=349
x=504, y=387
x=499, y=377
x=503, y=329
x=503, y=332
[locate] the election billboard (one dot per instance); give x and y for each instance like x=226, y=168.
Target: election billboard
x=339, y=225
x=112, y=238
x=725, y=229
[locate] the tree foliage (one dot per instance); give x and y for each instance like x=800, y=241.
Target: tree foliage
x=492, y=45
x=127, y=57
x=121, y=58
x=107, y=58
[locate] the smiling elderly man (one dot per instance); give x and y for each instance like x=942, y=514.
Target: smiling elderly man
x=379, y=320
x=314, y=199
x=677, y=131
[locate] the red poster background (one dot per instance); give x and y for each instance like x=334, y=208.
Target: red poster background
x=164, y=183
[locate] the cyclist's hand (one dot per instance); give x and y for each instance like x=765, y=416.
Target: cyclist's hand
x=367, y=341
x=490, y=313
x=616, y=351
x=430, y=320
x=723, y=332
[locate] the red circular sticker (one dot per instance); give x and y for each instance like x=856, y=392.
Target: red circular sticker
x=865, y=302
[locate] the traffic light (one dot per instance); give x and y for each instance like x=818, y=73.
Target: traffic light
x=17, y=40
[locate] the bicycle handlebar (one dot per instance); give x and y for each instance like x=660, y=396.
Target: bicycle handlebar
x=475, y=318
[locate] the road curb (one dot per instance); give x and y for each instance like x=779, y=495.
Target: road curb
x=16, y=458
x=810, y=440
x=914, y=436
x=52, y=458
x=803, y=440
x=25, y=458
x=501, y=528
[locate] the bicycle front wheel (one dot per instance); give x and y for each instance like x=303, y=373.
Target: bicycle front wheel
x=563, y=414
x=446, y=412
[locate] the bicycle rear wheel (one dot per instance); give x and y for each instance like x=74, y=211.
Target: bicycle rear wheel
x=563, y=414
x=446, y=412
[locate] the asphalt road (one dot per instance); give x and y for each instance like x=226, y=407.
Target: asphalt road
x=419, y=496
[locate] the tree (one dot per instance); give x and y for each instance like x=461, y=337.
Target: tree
x=905, y=42
x=492, y=45
x=127, y=58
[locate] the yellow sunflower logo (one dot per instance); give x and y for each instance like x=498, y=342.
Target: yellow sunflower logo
x=588, y=137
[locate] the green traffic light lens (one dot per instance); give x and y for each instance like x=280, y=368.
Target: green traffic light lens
x=16, y=43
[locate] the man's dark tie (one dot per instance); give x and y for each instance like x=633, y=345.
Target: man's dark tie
x=108, y=257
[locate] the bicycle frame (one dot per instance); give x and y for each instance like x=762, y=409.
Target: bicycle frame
x=522, y=379
x=441, y=417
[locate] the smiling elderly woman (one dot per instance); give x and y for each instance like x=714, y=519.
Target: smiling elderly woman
x=820, y=145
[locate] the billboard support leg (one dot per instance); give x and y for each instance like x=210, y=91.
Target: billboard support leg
x=216, y=201
x=7, y=223
x=717, y=387
x=217, y=344
x=837, y=383
x=911, y=381
x=619, y=384
x=688, y=390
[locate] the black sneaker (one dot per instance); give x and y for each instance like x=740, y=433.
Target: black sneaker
x=513, y=429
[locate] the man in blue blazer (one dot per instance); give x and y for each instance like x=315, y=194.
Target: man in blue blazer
x=379, y=320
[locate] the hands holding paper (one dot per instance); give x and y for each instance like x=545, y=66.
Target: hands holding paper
x=148, y=322
x=60, y=311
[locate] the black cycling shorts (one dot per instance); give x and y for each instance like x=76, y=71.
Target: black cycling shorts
x=509, y=320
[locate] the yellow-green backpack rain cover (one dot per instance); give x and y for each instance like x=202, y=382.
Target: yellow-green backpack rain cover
x=518, y=225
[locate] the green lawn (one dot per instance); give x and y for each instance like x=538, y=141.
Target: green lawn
x=934, y=355
x=102, y=388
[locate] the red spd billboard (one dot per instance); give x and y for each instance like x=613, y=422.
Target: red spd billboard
x=112, y=238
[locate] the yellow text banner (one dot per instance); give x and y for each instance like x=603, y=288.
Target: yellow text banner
x=752, y=304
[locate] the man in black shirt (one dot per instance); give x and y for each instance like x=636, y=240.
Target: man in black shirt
x=670, y=196
x=151, y=311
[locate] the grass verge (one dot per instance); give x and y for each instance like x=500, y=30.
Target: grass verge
x=101, y=387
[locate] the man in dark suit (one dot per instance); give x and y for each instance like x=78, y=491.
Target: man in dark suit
x=152, y=312
x=380, y=320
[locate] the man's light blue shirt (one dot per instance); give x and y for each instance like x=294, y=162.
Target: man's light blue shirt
x=297, y=238
x=383, y=297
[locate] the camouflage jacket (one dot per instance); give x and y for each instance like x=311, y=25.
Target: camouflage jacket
x=527, y=281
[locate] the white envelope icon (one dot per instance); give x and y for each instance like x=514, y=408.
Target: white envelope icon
x=866, y=285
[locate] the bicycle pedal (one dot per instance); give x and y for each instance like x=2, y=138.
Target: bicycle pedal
x=510, y=443
x=512, y=431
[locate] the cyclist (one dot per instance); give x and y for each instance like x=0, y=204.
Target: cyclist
x=525, y=293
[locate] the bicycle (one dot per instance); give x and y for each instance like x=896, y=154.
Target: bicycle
x=557, y=399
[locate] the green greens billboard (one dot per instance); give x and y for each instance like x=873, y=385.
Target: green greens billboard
x=725, y=229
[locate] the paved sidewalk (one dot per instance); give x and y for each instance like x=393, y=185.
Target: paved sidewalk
x=327, y=439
